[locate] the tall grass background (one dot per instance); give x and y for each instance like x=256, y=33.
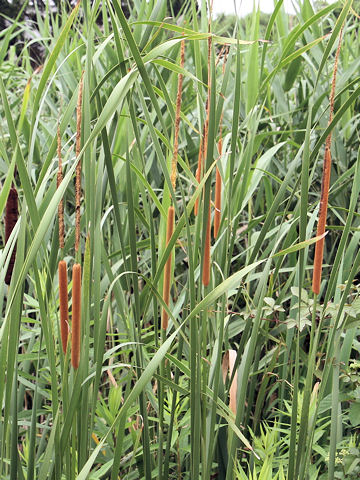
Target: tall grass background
x=254, y=376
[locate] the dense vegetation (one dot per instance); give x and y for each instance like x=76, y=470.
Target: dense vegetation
x=230, y=367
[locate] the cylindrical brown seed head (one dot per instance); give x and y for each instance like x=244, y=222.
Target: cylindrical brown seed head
x=167, y=270
x=11, y=217
x=76, y=315
x=64, y=308
x=319, y=247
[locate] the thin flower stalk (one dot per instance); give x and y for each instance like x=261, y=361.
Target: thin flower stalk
x=59, y=180
x=78, y=167
x=177, y=118
x=76, y=272
x=171, y=210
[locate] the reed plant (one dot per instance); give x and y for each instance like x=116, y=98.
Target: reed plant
x=187, y=355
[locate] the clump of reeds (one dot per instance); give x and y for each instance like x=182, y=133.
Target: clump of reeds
x=171, y=211
x=11, y=217
x=319, y=247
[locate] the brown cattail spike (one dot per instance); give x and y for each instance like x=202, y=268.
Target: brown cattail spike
x=78, y=167
x=206, y=267
x=167, y=270
x=319, y=247
x=76, y=315
x=177, y=118
x=59, y=180
x=64, y=309
x=11, y=216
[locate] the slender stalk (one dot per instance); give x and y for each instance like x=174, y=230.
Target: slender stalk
x=177, y=118
x=76, y=272
x=78, y=167
x=58, y=183
x=171, y=211
x=334, y=408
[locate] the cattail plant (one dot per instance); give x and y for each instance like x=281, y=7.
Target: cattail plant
x=76, y=272
x=62, y=267
x=11, y=216
x=319, y=248
x=171, y=211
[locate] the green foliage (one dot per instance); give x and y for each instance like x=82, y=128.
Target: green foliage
x=146, y=403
